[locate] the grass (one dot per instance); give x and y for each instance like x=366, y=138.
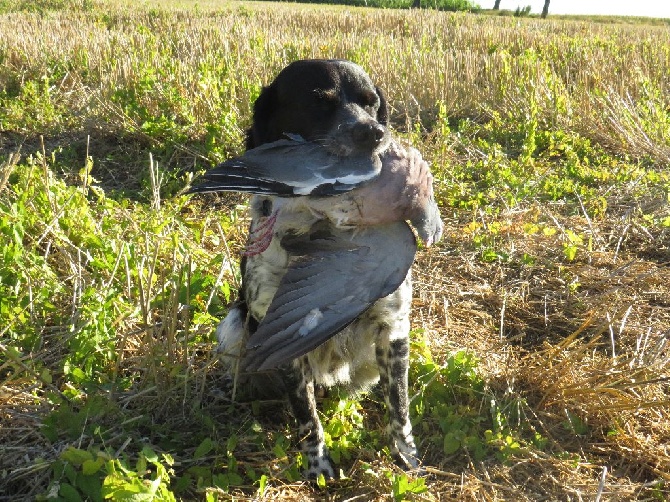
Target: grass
x=540, y=324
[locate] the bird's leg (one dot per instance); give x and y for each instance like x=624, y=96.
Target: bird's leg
x=300, y=385
x=393, y=361
x=261, y=236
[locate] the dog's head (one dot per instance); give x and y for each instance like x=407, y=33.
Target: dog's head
x=332, y=102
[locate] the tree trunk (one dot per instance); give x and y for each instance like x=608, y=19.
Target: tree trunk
x=496, y=6
x=545, y=9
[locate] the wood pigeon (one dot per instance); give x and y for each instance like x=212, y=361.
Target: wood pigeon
x=355, y=247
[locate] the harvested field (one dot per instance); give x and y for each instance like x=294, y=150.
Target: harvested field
x=540, y=323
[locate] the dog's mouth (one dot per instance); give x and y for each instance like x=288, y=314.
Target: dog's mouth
x=358, y=139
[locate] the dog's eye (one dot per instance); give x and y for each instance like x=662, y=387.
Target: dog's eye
x=327, y=98
x=369, y=100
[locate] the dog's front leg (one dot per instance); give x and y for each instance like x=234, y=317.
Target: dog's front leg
x=393, y=361
x=300, y=385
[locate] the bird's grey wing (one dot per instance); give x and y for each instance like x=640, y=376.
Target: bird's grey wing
x=290, y=167
x=333, y=277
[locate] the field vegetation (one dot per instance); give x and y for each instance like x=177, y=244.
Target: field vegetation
x=540, y=324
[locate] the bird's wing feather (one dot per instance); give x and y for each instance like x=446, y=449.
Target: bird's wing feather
x=333, y=277
x=290, y=167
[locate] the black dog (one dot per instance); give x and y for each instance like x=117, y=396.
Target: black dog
x=336, y=104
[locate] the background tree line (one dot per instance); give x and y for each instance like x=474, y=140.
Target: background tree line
x=545, y=8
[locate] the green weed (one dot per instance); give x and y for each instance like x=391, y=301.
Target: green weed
x=95, y=475
x=453, y=397
x=403, y=486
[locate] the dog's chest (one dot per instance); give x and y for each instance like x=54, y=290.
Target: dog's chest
x=262, y=276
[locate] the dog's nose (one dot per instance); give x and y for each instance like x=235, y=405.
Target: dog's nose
x=368, y=135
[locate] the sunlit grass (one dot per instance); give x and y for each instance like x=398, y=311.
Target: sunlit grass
x=540, y=323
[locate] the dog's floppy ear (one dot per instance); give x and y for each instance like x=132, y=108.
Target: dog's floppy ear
x=383, y=112
x=258, y=133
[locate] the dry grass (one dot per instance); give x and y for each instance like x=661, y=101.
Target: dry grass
x=577, y=347
x=474, y=65
x=599, y=353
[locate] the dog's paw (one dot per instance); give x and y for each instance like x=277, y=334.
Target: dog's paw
x=318, y=466
x=404, y=453
x=407, y=461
